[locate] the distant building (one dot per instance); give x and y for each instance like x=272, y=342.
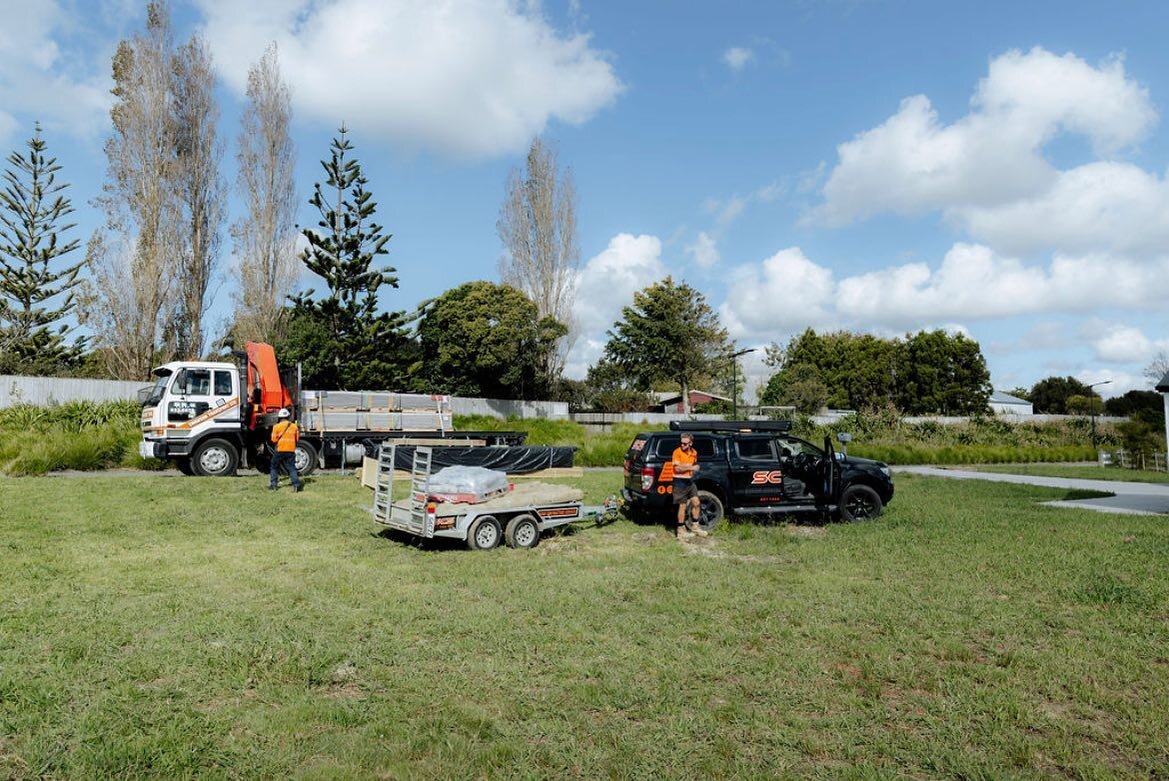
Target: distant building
x=1006, y=404
x=668, y=401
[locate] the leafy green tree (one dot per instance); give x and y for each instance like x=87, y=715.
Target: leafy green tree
x=1050, y=395
x=1142, y=404
x=36, y=289
x=486, y=340
x=610, y=389
x=342, y=336
x=670, y=334
x=801, y=387
x=942, y=373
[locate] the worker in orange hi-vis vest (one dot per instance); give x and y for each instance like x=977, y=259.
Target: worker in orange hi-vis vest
x=284, y=436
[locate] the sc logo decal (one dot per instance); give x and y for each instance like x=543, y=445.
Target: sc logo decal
x=764, y=478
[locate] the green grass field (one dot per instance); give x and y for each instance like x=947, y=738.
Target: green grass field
x=169, y=627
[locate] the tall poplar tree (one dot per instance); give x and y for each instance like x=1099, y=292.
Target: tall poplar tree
x=265, y=236
x=36, y=288
x=127, y=301
x=199, y=190
x=537, y=224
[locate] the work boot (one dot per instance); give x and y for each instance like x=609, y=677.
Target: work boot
x=298, y=488
x=683, y=533
x=271, y=488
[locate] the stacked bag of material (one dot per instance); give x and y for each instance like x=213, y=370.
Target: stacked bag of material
x=467, y=484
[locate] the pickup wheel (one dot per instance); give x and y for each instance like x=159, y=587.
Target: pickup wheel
x=214, y=458
x=306, y=458
x=860, y=503
x=522, y=532
x=485, y=533
x=710, y=510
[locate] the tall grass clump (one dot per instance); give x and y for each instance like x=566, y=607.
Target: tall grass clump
x=81, y=435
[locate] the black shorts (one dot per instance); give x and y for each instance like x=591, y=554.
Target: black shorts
x=684, y=490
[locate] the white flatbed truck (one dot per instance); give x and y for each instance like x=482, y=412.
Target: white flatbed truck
x=517, y=518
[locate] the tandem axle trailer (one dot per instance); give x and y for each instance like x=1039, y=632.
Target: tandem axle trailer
x=517, y=518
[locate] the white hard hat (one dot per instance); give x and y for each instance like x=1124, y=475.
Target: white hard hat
x=283, y=413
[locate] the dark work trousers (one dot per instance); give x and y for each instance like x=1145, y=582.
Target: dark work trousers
x=287, y=461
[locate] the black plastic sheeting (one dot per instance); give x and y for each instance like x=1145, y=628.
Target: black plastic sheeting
x=515, y=460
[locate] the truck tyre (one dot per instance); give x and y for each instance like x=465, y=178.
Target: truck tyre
x=522, y=532
x=214, y=458
x=859, y=503
x=485, y=534
x=306, y=458
x=710, y=510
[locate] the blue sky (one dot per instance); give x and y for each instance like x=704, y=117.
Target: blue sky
x=996, y=168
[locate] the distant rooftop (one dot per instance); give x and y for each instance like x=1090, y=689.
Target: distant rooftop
x=998, y=397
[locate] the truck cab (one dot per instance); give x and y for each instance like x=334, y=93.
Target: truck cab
x=194, y=414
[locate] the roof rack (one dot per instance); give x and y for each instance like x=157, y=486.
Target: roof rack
x=731, y=425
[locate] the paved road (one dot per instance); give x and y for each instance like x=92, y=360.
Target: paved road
x=1138, y=498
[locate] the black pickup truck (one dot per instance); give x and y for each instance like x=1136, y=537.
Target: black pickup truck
x=752, y=468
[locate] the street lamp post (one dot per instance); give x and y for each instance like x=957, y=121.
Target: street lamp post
x=1090, y=387
x=734, y=387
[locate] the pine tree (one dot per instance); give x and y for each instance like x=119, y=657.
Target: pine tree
x=36, y=292
x=342, y=340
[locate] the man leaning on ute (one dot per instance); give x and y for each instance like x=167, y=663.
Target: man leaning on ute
x=685, y=460
x=285, y=435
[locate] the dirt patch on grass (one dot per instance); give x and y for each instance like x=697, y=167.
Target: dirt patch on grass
x=709, y=547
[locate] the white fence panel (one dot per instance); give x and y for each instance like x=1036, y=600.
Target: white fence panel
x=58, y=390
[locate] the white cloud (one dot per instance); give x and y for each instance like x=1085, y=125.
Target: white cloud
x=1104, y=206
x=912, y=163
x=464, y=77
x=788, y=291
x=737, y=57
x=1120, y=343
x=605, y=284
x=783, y=292
x=41, y=80
x=704, y=250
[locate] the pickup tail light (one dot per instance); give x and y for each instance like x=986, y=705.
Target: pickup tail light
x=647, y=478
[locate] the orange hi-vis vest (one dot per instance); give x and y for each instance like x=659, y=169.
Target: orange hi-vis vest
x=285, y=434
x=682, y=457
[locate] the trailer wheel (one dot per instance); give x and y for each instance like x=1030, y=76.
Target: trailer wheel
x=522, y=532
x=485, y=534
x=860, y=503
x=214, y=458
x=710, y=510
x=306, y=458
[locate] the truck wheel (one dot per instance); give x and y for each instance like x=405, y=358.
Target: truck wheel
x=710, y=510
x=522, y=532
x=306, y=458
x=214, y=458
x=859, y=503
x=485, y=534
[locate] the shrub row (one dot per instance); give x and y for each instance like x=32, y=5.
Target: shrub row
x=971, y=454
x=81, y=435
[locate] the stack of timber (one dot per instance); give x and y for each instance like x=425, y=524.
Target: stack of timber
x=324, y=411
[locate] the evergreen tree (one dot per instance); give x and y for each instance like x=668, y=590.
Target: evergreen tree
x=486, y=340
x=342, y=340
x=669, y=334
x=36, y=291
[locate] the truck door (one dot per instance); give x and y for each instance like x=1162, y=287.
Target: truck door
x=195, y=391
x=756, y=474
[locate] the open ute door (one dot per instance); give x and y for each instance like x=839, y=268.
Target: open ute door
x=831, y=470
